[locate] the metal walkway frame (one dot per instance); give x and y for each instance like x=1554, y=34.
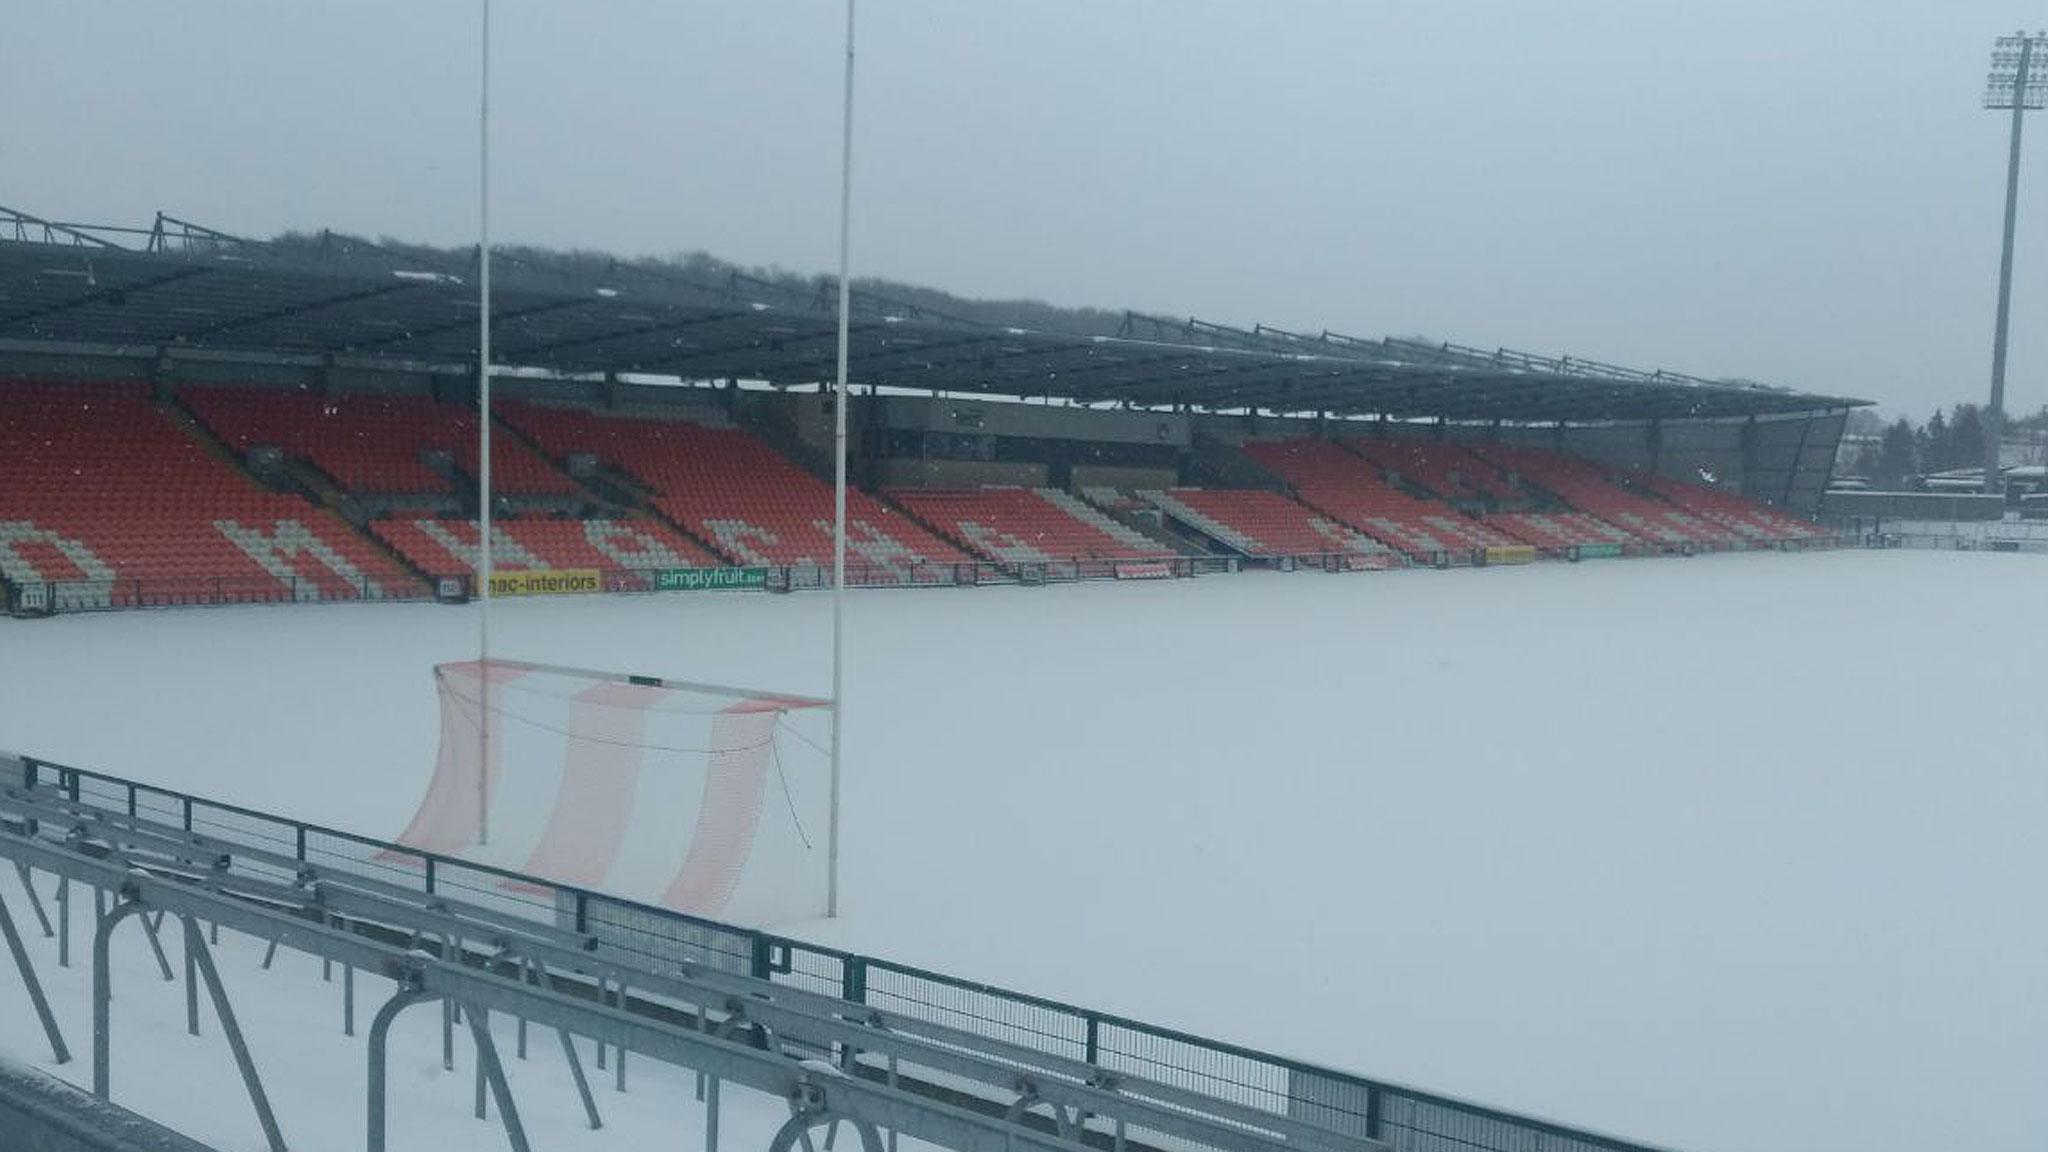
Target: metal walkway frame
x=887, y=1048
x=829, y=1066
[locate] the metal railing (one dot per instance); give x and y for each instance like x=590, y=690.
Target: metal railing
x=39, y=1112
x=30, y=598
x=1407, y=1119
x=1959, y=536
x=49, y=596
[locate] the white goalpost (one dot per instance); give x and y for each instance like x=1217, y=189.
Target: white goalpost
x=474, y=743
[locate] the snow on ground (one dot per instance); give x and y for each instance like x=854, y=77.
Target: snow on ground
x=1727, y=853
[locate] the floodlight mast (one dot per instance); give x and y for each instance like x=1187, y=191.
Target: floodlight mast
x=2012, y=84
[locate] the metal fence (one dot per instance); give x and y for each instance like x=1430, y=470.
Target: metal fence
x=35, y=598
x=1407, y=1119
x=1956, y=536
x=49, y=596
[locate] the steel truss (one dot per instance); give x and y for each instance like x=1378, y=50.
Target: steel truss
x=833, y=1061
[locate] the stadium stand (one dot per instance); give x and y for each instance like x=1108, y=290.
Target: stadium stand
x=1759, y=523
x=119, y=497
x=1586, y=488
x=374, y=444
x=448, y=548
x=1026, y=525
x=1342, y=485
x=732, y=491
x=1443, y=468
x=1265, y=524
x=104, y=493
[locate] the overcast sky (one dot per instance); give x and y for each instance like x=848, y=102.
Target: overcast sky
x=1801, y=191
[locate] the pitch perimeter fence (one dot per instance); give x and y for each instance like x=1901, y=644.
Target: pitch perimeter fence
x=45, y=597
x=1407, y=1119
x=49, y=597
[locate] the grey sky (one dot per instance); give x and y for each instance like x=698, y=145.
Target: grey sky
x=1803, y=191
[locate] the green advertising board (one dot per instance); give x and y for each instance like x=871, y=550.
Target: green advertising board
x=709, y=579
x=1598, y=551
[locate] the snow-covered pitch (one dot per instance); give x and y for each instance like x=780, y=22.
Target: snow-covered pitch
x=1730, y=853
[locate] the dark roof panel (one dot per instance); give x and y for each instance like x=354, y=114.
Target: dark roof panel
x=355, y=299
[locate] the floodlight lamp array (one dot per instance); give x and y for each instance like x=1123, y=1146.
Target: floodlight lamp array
x=2005, y=88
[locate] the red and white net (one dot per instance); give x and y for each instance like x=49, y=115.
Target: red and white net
x=705, y=799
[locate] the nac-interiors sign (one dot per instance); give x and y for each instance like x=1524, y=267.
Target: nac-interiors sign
x=546, y=582
x=709, y=579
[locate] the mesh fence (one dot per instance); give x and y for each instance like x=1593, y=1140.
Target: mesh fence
x=997, y=1015
x=657, y=936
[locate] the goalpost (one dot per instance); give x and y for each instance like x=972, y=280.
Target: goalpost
x=484, y=733
x=703, y=798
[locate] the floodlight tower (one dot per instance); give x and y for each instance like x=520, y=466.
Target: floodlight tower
x=2018, y=83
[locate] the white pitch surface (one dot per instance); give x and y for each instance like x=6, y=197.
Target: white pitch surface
x=1731, y=853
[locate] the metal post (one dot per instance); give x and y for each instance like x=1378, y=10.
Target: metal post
x=191, y=991
x=839, y=400
x=619, y=1083
x=35, y=902
x=63, y=921
x=575, y=1063
x=523, y=972
x=1993, y=418
x=195, y=944
x=483, y=423
x=380, y=1034
x=569, y=1054
x=480, y=1107
x=27, y=968
x=711, y=1117
x=102, y=999
x=487, y=1058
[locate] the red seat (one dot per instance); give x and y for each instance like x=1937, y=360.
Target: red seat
x=1351, y=490
x=99, y=485
x=1264, y=523
x=1027, y=525
x=1443, y=467
x=368, y=443
x=443, y=547
x=1585, y=487
x=1754, y=521
x=1557, y=533
x=731, y=490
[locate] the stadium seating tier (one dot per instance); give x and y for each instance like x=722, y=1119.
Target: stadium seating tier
x=1023, y=525
x=1346, y=487
x=728, y=488
x=100, y=485
x=373, y=444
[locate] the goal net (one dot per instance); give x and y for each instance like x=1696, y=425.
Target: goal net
x=706, y=799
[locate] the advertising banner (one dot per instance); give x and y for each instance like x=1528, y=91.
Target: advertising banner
x=545, y=582
x=709, y=579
